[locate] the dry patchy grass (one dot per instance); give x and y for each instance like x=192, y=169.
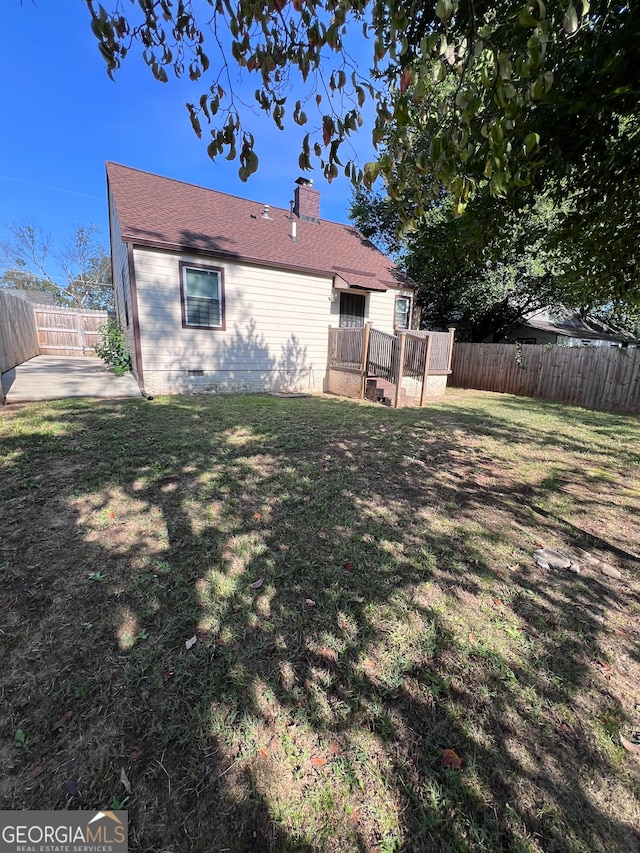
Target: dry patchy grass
x=399, y=614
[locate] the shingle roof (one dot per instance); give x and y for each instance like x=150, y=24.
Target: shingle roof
x=163, y=212
x=570, y=324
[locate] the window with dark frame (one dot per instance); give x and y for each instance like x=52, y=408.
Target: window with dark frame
x=202, y=297
x=403, y=312
x=352, y=307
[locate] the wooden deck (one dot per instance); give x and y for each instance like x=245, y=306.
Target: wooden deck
x=395, y=370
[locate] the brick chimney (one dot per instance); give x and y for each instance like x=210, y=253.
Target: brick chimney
x=306, y=204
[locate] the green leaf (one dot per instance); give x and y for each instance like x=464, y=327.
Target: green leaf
x=525, y=18
x=195, y=122
x=570, y=21
x=371, y=172
x=531, y=141
x=439, y=72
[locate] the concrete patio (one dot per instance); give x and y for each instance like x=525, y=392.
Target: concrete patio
x=55, y=377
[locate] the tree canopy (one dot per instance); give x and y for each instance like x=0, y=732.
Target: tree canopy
x=32, y=261
x=485, y=271
x=501, y=98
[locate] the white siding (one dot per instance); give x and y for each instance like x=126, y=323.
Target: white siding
x=121, y=283
x=382, y=307
x=276, y=328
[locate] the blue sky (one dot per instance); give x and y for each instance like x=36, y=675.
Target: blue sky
x=61, y=118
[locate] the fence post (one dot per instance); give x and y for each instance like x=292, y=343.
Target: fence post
x=79, y=327
x=425, y=372
x=365, y=354
x=402, y=340
x=451, y=336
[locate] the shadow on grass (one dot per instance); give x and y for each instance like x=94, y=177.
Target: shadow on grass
x=393, y=614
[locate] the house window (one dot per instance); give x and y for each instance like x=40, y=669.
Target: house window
x=351, y=310
x=202, y=297
x=403, y=312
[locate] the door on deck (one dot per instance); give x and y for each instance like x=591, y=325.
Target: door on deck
x=351, y=310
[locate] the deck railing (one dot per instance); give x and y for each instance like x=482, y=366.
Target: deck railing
x=345, y=349
x=415, y=355
x=441, y=347
x=410, y=354
x=382, y=358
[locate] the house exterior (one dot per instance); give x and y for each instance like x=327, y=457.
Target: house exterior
x=567, y=328
x=216, y=293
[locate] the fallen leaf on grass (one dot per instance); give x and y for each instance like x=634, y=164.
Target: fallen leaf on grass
x=620, y=633
x=61, y=721
x=318, y=761
x=633, y=748
x=39, y=770
x=357, y=599
x=262, y=752
x=168, y=673
x=257, y=584
x=125, y=781
x=604, y=665
x=334, y=749
x=309, y=602
x=328, y=655
x=190, y=643
x=257, y=516
x=497, y=602
x=472, y=638
x=347, y=565
x=369, y=663
x=136, y=753
x=450, y=760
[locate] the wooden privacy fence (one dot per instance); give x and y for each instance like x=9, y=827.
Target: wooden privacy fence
x=604, y=378
x=18, y=336
x=67, y=331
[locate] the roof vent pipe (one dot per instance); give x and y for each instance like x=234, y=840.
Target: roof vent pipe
x=265, y=212
x=294, y=231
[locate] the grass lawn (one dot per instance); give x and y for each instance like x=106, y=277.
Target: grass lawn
x=360, y=587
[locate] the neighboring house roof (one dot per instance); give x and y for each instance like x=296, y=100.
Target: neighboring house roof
x=38, y=297
x=170, y=214
x=564, y=321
